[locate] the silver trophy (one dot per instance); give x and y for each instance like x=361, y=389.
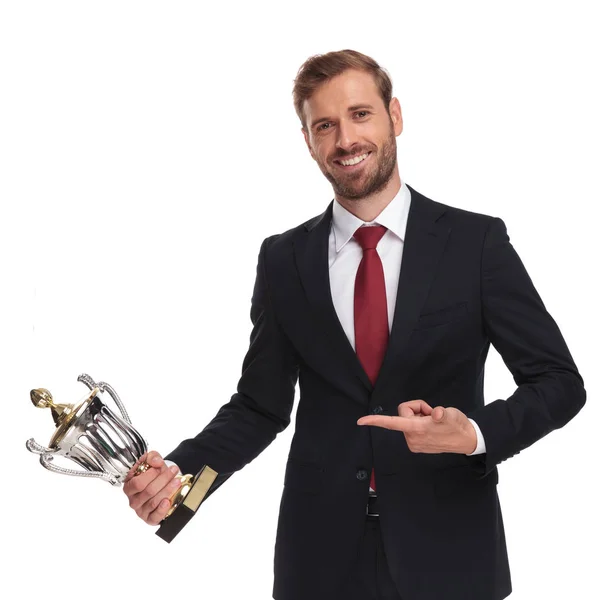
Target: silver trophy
x=108, y=447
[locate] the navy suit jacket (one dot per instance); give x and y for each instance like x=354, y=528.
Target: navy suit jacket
x=462, y=286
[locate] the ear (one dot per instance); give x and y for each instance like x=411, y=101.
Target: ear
x=396, y=116
x=307, y=140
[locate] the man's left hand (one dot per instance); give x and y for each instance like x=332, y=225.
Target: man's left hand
x=429, y=430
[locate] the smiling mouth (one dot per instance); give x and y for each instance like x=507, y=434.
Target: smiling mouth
x=352, y=162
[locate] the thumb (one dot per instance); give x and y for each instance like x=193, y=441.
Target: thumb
x=439, y=414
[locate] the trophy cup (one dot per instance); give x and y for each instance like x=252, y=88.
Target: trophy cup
x=108, y=447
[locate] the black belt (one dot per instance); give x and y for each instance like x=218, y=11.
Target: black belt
x=372, y=506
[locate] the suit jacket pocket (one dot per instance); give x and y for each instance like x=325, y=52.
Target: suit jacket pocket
x=442, y=316
x=452, y=479
x=306, y=477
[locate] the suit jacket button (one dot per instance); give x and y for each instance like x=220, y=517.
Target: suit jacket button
x=361, y=474
x=377, y=410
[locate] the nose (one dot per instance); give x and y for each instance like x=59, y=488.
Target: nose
x=346, y=136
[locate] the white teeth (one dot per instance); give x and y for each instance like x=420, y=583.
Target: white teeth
x=355, y=160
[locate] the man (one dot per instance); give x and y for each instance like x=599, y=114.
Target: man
x=383, y=308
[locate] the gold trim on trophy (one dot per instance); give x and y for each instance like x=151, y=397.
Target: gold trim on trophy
x=63, y=414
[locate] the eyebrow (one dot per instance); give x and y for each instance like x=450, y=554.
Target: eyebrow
x=350, y=109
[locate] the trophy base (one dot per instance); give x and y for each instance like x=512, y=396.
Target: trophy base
x=180, y=517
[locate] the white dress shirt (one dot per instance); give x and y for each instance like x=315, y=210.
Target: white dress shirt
x=345, y=254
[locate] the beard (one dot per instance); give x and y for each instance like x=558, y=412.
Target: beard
x=356, y=186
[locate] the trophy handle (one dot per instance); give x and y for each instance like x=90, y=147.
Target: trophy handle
x=103, y=386
x=36, y=448
x=46, y=458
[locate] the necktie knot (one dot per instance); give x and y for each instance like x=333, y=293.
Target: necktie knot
x=368, y=237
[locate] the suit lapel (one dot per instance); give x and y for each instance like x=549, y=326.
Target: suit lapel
x=312, y=261
x=423, y=246
x=424, y=242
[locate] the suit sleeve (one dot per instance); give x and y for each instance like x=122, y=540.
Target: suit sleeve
x=262, y=405
x=550, y=389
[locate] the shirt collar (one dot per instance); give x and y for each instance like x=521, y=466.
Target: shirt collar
x=394, y=216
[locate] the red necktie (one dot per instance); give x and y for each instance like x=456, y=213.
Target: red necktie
x=371, y=329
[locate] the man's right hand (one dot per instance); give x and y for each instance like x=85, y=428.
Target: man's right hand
x=149, y=492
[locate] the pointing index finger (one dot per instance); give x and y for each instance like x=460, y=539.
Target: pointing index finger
x=387, y=422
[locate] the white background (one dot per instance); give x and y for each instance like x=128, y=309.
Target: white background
x=148, y=148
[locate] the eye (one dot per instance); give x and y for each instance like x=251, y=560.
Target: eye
x=362, y=113
x=322, y=126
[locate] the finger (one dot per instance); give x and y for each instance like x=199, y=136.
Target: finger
x=406, y=411
x=151, y=458
x=154, y=510
x=138, y=484
x=154, y=459
x=414, y=407
x=405, y=424
x=164, y=486
x=166, y=475
x=157, y=515
x=133, y=469
x=439, y=414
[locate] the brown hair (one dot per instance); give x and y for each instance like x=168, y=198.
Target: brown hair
x=320, y=68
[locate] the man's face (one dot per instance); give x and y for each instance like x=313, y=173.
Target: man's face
x=346, y=120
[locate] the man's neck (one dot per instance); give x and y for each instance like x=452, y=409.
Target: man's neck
x=367, y=209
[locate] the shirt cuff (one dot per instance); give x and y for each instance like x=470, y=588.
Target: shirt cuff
x=480, y=449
